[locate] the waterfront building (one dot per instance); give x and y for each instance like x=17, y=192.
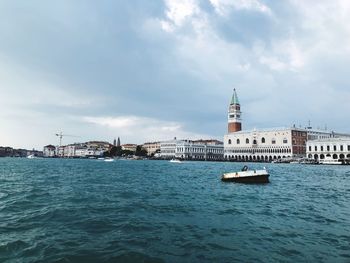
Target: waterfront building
x=195, y=150
x=49, y=151
x=97, y=148
x=129, y=147
x=151, y=147
x=329, y=148
x=265, y=144
x=6, y=151
x=317, y=134
x=35, y=153
x=83, y=150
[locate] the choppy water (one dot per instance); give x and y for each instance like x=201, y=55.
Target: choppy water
x=154, y=211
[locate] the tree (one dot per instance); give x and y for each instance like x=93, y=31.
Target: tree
x=140, y=151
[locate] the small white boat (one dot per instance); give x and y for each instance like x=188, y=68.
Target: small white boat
x=247, y=176
x=175, y=161
x=109, y=160
x=329, y=160
x=31, y=156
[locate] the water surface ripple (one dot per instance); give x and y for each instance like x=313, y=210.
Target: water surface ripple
x=55, y=210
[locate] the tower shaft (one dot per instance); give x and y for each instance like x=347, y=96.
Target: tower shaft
x=234, y=114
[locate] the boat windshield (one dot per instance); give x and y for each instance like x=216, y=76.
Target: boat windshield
x=245, y=168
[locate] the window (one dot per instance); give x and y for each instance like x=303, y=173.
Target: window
x=285, y=140
x=255, y=142
x=315, y=148
x=341, y=148
x=348, y=147
x=262, y=140
x=309, y=148
x=247, y=141
x=328, y=148
x=229, y=141
x=273, y=141
x=238, y=141
x=321, y=148
x=334, y=147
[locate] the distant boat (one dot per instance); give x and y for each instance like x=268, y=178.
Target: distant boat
x=247, y=176
x=329, y=160
x=109, y=160
x=31, y=156
x=175, y=161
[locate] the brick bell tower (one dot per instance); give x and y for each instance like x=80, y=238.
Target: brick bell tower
x=234, y=114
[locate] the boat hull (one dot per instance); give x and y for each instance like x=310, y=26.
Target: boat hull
x=257, y=179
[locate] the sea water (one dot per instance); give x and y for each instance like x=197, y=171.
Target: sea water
x=59, y=210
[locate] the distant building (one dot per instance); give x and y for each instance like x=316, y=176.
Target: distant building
x=35, y=153
x=194, y=150
x=20, y=153
x=334, y=148
x=118, y=142
x=10, y=152
x=151, y=147
x=83, y=150
x=97, y=148
x=6, y=151
x=49, y=151
x=129, y=147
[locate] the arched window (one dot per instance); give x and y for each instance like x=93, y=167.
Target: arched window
x=229, y=141
x=238, y=141
x=262, y=140
x=255, y=142
x=247, y=141
x=273, y=141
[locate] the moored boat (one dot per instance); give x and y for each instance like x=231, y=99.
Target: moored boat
x=247, y=176
x=175, y=161
x=329, y=160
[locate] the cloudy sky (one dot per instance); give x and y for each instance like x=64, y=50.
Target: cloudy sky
x=151, y=70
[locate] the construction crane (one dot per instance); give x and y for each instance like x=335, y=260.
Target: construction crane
x=61, y=135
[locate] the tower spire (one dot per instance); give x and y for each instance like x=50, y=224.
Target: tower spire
x=234, y=114
x=234, y=99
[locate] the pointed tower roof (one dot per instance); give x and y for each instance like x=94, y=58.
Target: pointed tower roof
x=234, y=99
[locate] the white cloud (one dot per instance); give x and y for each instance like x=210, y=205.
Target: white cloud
x=223, y=7
x=177, y=13
x=140, y=129
x=284, y=55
